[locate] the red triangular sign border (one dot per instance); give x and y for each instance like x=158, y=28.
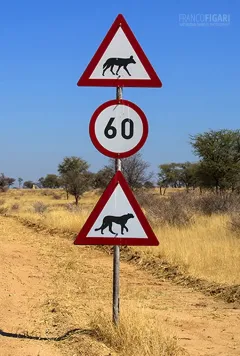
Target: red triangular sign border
x=154, y=80
x=82, y=238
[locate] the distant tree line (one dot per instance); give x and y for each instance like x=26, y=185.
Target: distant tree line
x=218, y=169
x=75, y=177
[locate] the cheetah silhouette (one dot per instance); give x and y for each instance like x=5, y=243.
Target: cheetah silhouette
x=120, y=220
x=120, y=62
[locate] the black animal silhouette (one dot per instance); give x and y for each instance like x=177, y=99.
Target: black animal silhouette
x=120, y=220
x=120, y=62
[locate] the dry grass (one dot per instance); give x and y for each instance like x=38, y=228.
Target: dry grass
x=205, y=248
x=136, y=335
x=60, y=213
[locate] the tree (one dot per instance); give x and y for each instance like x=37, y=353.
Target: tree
x=20, y=180
x=219, y=153
x=28, y=184
x=10, y=181
x=169, y=175
x=103, y=177
x=41, y=181
x=5, y=182
x=74, y=176
x=189, y=174
x=135, y=170
x=50, y=181
x=77, y=183
x=64, y=184
x=177, y=175
x=72, y=163
x=148, y=185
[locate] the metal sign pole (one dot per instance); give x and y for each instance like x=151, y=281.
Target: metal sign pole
x=116, y=255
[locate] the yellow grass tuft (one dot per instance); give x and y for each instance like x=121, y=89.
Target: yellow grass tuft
x=65, y=220
x=136, y=334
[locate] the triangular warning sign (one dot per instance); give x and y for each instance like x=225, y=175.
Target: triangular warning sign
x=120, y=61
x=117, y=219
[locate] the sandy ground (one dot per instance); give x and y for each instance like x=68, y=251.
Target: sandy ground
x=49, y=287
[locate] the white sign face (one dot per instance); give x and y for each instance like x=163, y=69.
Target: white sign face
x=117, y=219
x=119, y=61
x=119, y=129
x=128, y=132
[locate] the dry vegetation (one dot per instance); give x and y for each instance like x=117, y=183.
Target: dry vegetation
x=199, y=234
x=137, y=334
x=196, y=234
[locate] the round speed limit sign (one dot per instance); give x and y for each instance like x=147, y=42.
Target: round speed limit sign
x=118, y=128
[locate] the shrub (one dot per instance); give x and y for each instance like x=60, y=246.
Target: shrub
x=3, y=210
x=235, y=223
x=175, y=210
x=40, y=207
x=4, y=189
x=73, y=208
x=211, y=203
x=15, y=206
x=57, y=196
x=178, y=208
x=46, y=193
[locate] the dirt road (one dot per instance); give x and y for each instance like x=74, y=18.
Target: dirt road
x=50, y=287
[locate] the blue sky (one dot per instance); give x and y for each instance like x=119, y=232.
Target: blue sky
x=46, y=45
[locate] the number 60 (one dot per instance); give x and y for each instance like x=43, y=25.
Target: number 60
x=110, y=131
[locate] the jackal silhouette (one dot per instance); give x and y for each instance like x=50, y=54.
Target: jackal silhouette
x=120, y=220
x=120, y=62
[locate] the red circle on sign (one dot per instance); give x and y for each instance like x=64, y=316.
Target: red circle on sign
x=106, y=151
